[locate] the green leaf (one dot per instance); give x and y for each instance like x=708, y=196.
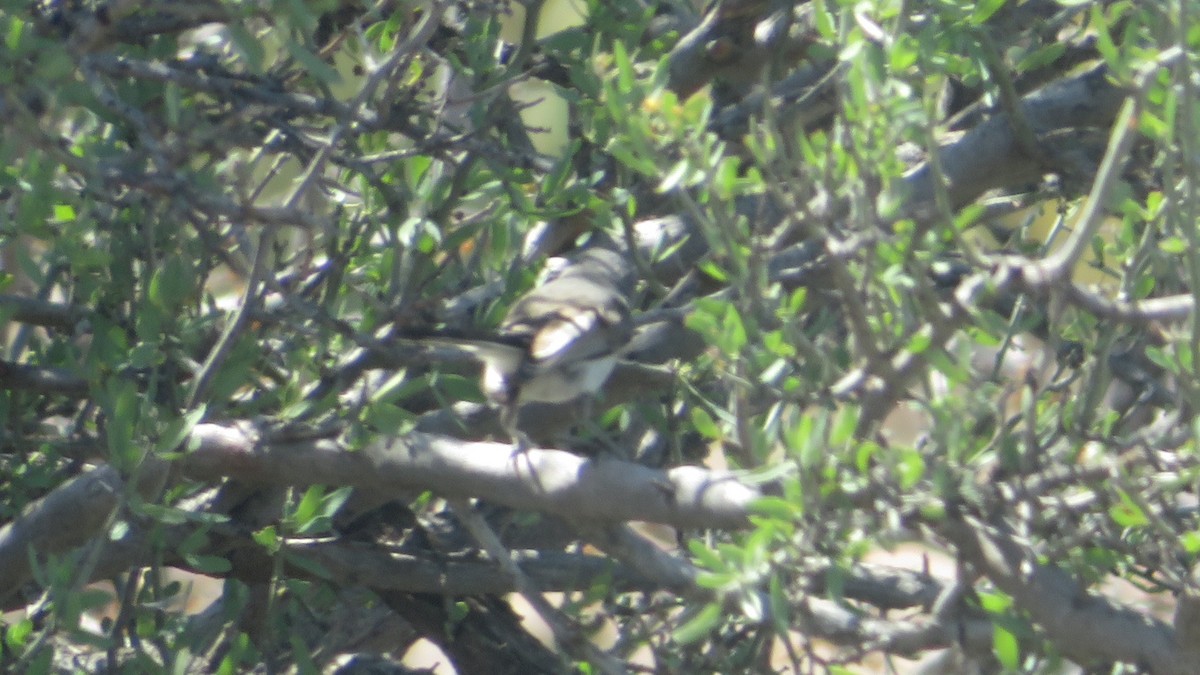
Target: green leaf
x=775, y=507
x=1183, y=352
x=237, y=369
x=334, y=501
x=1127, y=513
x=1006, y=648
x=911, y=468
x=171, y=284
x=170, y=515
x=145, y=355
x=64, y=213
x=302, y=656
x=844, y=425
x=715, y=272
x=904, y=53
x=933, y=511
x=18, y=634
x=1104, y=43
x=625, y=75
x=123, y=399
x=388, y=419
x=968, y=216
x=1173, y=245
x=674, y=177
x=208, y=564
x=16, y=32
x=54, y=66
x=802, y=438
x=268, y=538
x=796, y=301
x=312, y=63
x=633, y=158
x=866, y=451
x=89, y=599
x=1155, y=202
x=705, y=556
x=552, y=185
x=1041, y=57
x=735, y=330
x=179, y=430
x=726, y=180
x=920, y=341
x=1153, y=126
x=984, y=9
x=1163, y=360
x=1191, y=542
x=164, y=514
x=306, y=509
x=249, y=46
x=459, y=387
x=699, y=625
x=779, y=605
x=953, y=370
x=778, y=344
x=995, y=602
x=823, y=20
x=704, y=424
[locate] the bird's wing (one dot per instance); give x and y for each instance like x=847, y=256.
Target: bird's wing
x=503, y=356
x=594, y=324
x=573, y=334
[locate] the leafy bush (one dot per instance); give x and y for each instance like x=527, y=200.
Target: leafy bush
x=912, y=276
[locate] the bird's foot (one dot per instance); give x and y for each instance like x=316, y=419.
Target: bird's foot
x=521, y=444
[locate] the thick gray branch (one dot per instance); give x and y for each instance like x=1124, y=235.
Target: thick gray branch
x=1085, y=627
x=66, y=518
x=551, y=481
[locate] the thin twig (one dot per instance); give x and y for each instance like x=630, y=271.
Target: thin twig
x=565, y=632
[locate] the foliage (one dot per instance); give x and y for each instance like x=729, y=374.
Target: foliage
x=221, y=219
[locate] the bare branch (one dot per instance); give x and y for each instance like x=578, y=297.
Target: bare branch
x=1086, y=627
x=42, y=312
x=552, y=481
x=41, y=380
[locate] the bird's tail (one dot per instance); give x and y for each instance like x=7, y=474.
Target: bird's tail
x=501, y=351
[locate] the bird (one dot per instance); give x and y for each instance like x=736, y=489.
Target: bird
x=557, y=342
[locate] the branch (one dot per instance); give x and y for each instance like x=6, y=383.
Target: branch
x=377, y=568
x=990, y=155
x=66, y=518
x=1028, y=276
x=835, y=622
x=41, y=380
x=77, y=511
x=1085, y=627
x=42, y=312
x=550, y=481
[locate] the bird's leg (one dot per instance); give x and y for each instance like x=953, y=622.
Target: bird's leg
x=508, y=418
x=597, y=431
x=521, y=443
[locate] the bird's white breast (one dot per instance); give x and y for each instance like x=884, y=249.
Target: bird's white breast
x=558, y=385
